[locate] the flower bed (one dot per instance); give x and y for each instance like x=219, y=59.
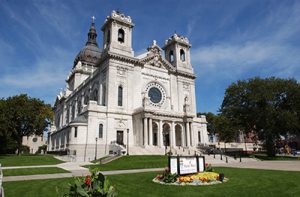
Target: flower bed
x=201, y=178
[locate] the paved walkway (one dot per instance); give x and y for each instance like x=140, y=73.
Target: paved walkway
x=266, y=165
x=75, y=173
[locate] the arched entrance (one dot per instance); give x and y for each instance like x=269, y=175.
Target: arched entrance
x=178, y=131
x=166, y=134
x=155, y=133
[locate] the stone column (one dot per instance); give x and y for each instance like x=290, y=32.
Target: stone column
x=160, y=134
x=145, y=131
x=173, y=136
x=150, y=132
x=188, y=137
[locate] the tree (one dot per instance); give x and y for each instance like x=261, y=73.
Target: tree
x=22, y=116
x=269, y=107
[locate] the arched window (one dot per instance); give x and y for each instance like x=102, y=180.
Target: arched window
x=121, y=35
x=100, y=135
x=182, y=55
x=171, y=56
x=79, y=105
x=95, y=95
x=75, y=132
x=108, y=37
x=103, y=100
x=86, y=99
x=68, y=115
x=120, y=96
x=73, y=112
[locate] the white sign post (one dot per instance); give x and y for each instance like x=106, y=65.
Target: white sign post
x=186, y=164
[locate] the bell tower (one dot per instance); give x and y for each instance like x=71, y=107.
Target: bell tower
x=177, y=52
x=117, y=34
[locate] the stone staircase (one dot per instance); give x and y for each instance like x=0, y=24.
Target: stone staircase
x=109, y=159
x=1, y=178
x=155, y=150
x=225, y=159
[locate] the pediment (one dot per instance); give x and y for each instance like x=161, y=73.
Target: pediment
x=154, y=58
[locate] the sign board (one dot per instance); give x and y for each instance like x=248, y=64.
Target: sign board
x=186, y=164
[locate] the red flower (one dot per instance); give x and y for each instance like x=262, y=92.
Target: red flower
x=206, y=164
x=88, y=180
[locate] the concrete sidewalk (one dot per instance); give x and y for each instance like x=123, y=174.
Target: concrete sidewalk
x=264, y=165
x=75, y=173
x=67, y=166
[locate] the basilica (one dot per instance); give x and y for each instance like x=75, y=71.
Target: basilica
x=118, y=103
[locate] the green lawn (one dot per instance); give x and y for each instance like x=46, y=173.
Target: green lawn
x=35, y=188
x=31, y=171
x=242, y=182
x=28, y=160
x=133, y=162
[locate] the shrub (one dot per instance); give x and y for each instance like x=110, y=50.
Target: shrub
x=42, y=148
x=167, y=177
x=208, y=167
x=25, y=149
x=92, y=185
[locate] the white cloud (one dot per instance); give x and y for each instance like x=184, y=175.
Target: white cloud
x=271, y=52
x=46, y=72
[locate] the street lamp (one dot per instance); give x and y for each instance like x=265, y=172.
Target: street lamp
x=127, y=141
x=96, y=149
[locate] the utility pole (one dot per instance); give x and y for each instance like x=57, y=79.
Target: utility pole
x=96, y=149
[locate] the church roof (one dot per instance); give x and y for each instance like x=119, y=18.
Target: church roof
x=80, y=119
x=90, y=53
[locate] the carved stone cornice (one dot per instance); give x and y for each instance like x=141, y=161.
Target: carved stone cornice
x=177, y=39
x=119, y=17
x=127, y=59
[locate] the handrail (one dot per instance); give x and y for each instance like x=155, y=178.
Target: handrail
x=1, y=179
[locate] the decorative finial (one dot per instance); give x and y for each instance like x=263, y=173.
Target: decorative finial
x=93, y=19
x=154, y=42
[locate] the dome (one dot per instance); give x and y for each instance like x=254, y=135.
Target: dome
x=90, y=53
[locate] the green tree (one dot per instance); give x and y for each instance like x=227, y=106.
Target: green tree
x=22, y=116
x=269, y=107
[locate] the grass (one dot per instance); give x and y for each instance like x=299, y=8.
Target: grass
x=265, y=157
x=37, y=188
x=32, y=171
x=242, y=182
x=28, y=160
x=133, y=162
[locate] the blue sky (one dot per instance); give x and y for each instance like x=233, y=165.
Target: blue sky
x=231, y=40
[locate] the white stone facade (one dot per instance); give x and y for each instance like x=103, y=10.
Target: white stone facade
x=114, y=98
x=33, y=142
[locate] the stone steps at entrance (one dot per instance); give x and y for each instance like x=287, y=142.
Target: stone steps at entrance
x=155, y=150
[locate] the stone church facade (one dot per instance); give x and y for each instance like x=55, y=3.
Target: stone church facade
x=117, y=102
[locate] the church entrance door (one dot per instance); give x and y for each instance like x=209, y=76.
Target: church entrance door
x=155, y=132
x=120, y=136
x=166, y=134
x=178, y=131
